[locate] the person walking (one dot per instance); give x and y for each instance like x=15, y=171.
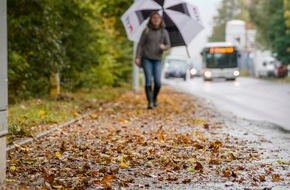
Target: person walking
x=154, y=40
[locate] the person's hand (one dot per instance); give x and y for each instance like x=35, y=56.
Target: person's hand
x=162, y=46
x=138, y=62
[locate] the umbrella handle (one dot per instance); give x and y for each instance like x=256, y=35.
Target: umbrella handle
x=187, y=52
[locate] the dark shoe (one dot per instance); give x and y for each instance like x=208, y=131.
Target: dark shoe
x=149, y=96
x=155, y=95
x=150, y=105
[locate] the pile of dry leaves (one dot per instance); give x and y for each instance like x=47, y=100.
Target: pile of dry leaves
x=182, y=144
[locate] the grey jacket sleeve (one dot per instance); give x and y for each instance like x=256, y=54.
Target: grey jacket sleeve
x=166, y=39
x=140, y=44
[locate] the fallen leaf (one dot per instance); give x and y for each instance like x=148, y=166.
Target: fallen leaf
x=283, y=162
x=206, y=125
x=57, y=154
x=198, y=166
x=12, y=168
x=191, y=170
x=262, y=178
x=123, y=164
x=214, y=161
x=185, y=181
x=160, y=135
x=93, y=116
x=276, y=178
x=227, y=173
x=231, y=156
x=42, y=113
x=20, y=147
x=106, y=181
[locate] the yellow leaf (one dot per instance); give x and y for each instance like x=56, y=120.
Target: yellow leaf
x=20, y=147
x=123, y=164
x=12, y=168
x=94, y=116
x=192, y=160
x=42, y=113
x=10, y=180
x=191, y=170
x=199, y=121
x=58, y=154
x=160, y=136
x=57, y=186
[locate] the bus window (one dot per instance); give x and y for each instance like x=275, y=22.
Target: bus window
x=221, y=60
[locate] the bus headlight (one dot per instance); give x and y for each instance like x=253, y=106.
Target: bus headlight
x=236, y=73
x=207, y=74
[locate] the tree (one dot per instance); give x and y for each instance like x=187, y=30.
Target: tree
x=229, y=10
x=287, y=22
x=81, y=41
x=270, y=18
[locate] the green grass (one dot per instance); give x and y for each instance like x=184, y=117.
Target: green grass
x=33, y=116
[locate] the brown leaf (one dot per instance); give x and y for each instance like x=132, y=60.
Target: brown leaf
x=152, y=151
x=198, y=146
x=214, y=161
x=262, y=178
x=276, y=178
x=231, y=156
x=198, y=166
x=63, y=146
x=160, y=135
x=227, y=173
x=49, y=178
x=206, y=125
x=106, y=181
x=215, y=145
x=185, y=181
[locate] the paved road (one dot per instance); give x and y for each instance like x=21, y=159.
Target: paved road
x=248, y=98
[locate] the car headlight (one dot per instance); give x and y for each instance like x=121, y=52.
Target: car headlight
x=207, y=74
x=236, y=73
x=193, y=71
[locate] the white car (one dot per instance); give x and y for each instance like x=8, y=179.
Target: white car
x=267, y=68
x=176, y=67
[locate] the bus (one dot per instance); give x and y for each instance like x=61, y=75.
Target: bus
x=220, y=60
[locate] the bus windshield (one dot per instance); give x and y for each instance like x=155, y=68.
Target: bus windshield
x=221, y=58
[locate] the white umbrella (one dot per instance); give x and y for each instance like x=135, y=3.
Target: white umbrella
x=181, y=18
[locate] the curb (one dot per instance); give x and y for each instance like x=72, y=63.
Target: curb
x=44, y=133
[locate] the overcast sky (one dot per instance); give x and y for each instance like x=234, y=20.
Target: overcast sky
x=207, y=10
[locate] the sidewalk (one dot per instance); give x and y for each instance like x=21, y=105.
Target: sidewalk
x=182, y=144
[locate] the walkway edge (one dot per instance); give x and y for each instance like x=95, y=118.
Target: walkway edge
x=44, y=133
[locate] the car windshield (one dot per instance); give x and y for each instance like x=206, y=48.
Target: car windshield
x=221, y=60
x=176, y=64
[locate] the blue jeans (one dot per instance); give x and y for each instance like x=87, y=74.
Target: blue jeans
x=152, y=71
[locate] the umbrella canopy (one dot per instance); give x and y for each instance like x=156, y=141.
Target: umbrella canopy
x=181, y=18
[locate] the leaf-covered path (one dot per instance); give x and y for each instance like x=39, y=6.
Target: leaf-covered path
x=182, y=144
